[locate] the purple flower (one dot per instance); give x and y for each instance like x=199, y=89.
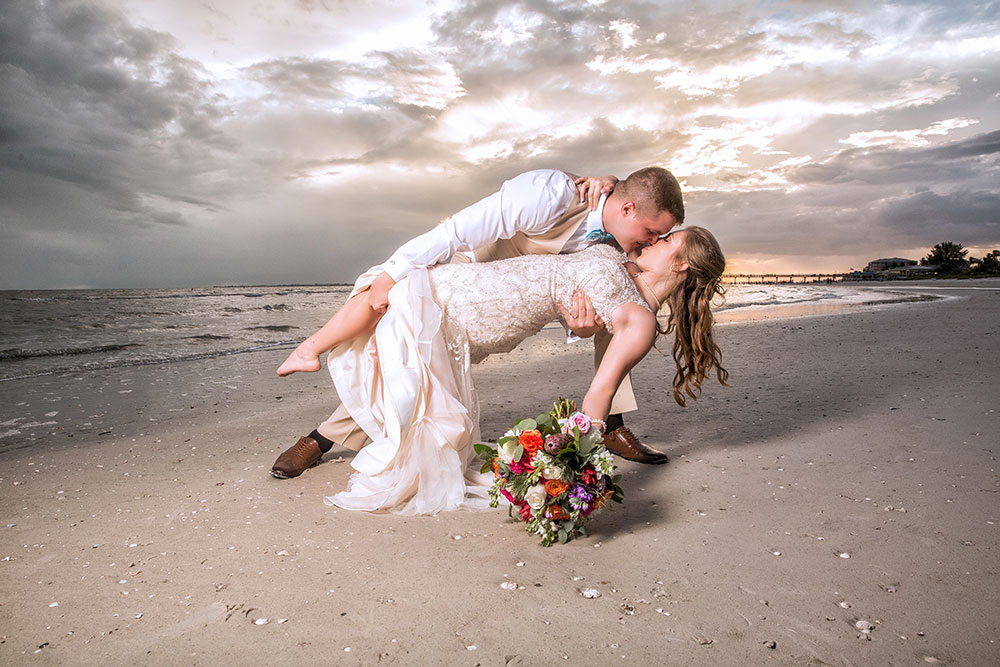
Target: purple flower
x=580, y=493
x=555, y=442
x=579, y=497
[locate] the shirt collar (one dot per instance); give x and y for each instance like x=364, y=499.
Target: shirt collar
x=595, y=219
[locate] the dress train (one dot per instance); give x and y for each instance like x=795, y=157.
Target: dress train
x=408, y=385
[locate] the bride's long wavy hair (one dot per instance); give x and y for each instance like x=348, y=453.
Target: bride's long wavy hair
x=695, y=351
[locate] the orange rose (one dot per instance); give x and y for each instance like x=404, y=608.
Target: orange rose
x=556, y=512
x=555, y=487
x=604, y=497
x=531, y=440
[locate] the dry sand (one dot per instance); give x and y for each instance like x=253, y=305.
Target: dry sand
x=143, y=527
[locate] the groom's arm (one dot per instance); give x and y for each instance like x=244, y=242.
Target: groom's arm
x=529, y=203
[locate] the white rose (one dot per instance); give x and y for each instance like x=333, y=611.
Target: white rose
x=506, y=451
x=552, y=471
x=535, y=496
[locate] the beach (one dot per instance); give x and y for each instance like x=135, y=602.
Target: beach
x=838, y=504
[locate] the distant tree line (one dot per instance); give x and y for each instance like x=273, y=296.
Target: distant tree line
x=950, y=258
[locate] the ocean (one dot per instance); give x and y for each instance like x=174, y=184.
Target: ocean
x=82, y=366
x=55, y=332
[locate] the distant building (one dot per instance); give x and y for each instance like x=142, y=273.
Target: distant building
x=877, y=265
x=913, y=271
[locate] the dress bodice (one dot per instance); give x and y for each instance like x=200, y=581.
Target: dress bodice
x=496, y=305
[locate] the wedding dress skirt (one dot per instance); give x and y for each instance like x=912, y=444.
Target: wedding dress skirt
x=409, y=387
x=408, y=384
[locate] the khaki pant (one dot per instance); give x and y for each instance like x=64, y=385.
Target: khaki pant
x=343, y=430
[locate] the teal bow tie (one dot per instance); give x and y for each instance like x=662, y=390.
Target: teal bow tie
x=601, y=236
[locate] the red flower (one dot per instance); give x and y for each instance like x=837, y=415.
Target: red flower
x=588, y=476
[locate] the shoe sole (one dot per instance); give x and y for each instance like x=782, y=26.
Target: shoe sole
x=280, y=475
x=658, y=462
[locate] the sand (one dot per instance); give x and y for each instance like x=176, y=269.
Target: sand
x=848, y=474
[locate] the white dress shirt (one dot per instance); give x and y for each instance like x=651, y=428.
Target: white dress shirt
x=530, y=203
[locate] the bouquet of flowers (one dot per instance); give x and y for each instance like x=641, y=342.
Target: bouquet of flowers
x=554, y=470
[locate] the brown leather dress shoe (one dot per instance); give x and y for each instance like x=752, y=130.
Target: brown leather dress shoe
x=623, y=442
x=297, y=459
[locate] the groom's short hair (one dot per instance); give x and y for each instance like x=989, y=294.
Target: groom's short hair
x=655, y=187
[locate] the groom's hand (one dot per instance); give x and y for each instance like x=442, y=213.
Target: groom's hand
x=378, y=293
x=582, y=320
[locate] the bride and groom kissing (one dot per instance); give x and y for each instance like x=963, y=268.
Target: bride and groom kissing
x=401, y=346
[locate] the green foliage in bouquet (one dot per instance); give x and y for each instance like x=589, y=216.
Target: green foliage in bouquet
x=554, y=470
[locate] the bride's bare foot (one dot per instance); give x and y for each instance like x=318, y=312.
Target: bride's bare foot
x=299, y=360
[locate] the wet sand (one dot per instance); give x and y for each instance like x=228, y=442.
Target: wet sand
x=848, y=475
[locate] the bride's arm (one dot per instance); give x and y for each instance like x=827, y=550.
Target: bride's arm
x=592, y=187
x=635, y=331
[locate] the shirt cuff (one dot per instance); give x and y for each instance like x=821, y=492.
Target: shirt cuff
x=570, y=336
x=397, y=269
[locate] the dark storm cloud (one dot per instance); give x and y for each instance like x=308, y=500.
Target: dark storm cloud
x=983, y=144
x=301, y=77
x=270, y=139
x=867, y=198
x=95, y=102
x=954, y=162
x=969, y=217
x=404, y=78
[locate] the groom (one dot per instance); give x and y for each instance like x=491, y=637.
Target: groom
x=537, y=212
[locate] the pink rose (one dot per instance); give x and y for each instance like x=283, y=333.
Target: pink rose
x=581, y=421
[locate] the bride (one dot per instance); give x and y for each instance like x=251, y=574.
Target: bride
x=406, y=379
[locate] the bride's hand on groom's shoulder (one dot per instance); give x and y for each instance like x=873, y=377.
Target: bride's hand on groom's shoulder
x=581, y=319
x=592, y=187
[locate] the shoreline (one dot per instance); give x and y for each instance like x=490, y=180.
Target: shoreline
x=160, y=535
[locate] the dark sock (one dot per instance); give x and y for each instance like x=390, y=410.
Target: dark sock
x=325, y=444
x=615, y=421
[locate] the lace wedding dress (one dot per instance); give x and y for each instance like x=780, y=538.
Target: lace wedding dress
x=409, y=383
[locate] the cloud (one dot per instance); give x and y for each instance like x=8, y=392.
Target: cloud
x=955, y=163
x=865, y=202
x=96, y=103
x=969, y=217
x=404, y=78
x=225, y=142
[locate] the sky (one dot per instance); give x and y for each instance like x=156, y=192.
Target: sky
x=213, y=142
